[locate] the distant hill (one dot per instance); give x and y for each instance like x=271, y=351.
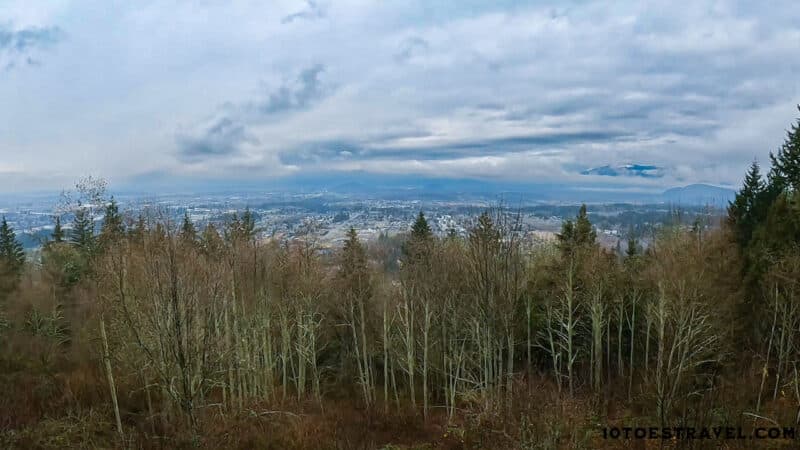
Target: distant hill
x=699, y=194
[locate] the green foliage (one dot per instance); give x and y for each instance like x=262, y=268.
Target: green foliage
x=82, y=233
x=420, y=230
x=58, y=232
x=353, y=270
x=241, y=229
x=188, y=232
x=785, y=173
x=418, y=247
x=748, y=207
x=12, y=255
x=112, y=222
x=64, y=263
x=577, y=235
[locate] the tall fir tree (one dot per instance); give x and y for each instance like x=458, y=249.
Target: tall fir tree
x=418, y=246
x=58, y=232
x=188, y=232
x=82, y=233
x=747, y=209
x=420, y=230
x=577, y=234
x=113, y=227
x=633, y=247
x=12, y=254
x=785, y=173
x=353, y=270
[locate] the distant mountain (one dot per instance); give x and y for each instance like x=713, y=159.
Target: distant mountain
x=699, y=194
x=627, y=170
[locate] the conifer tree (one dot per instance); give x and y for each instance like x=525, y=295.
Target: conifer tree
x=82, y=233
x=188, y=232
x=113, y=228
x=747, y=208
x=584, y=232
x=58, y=232
x=12, y=255
x=785, y=173
x=112, y=221
x=353, y=268
x=577, y=234
x=632, y=249
x=248, y=224
x=420, y=230
x=210, y=240
x=418, y=245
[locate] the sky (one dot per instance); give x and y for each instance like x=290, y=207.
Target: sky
x=533, y=92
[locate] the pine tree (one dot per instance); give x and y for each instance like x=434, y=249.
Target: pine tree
x=113, y=228
x=12, y=255
x=188, y=232
x=584, y=232
x=421, y=231
x=632, y=249
x=417, y=248
x=353, y=269
x=210, y=241
x=248, y=225
x=58, y=232
x=577, y=234
x=785, y=173
x=748, y=209
x=82, y=233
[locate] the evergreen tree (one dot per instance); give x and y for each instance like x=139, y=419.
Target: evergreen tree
x=785, y=173
x=210, y=241
x=577, y=234
x=485, y=233
x=418, y=246
x=248, y=225
x=58, y=232
x=113, y=228
x=584, y=231
x=12, y=255
x=188, y=232
x=353, y=270
x=420, y=230
x=747, y=208
x=241, y=229
x=632, y=249
x=82, y=233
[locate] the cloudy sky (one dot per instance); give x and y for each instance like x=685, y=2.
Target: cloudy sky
x=508, y=90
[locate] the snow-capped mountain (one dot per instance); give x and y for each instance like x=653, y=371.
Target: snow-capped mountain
x=627, y=170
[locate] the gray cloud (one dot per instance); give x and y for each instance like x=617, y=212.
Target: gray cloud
x=226, y=135
x=17, y=46
x=28, y=38
x=305, y=90
x=312, y=11
x=223, y=138
x=410, y=47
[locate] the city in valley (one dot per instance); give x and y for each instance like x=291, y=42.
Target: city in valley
x=326, y=217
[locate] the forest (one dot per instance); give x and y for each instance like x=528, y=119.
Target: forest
x=146, y=333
